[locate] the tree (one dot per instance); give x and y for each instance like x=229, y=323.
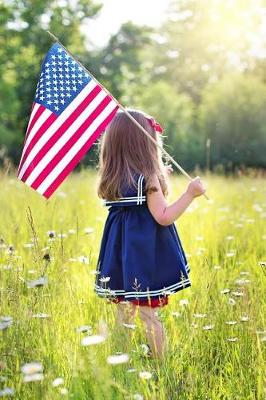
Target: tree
x=176, y=113
x=232, y=115
x=119, y=64
x=23, y=46
x=202, y=40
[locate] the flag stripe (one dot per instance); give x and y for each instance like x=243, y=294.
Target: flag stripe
x=58, y=155
x=77, y=157
x=43, y=128
x=62, y=135
x=37, y=110
x=56, y=125
x=43, y=117
x=74, y=149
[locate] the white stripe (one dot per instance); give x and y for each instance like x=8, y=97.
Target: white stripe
x=45, y=115
x=144, y=293
x=76, y=147
x=57, y=123
x=138, y=189
x=122, y=198
x=72, y=129
x=34, y=110
x=123, y=201
x=172, y=290
x=141, y=182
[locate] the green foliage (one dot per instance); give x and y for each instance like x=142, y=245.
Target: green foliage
x=232, y=114
x=176, y=113
x=119, y=64
x=207, y=57
x=23, y=47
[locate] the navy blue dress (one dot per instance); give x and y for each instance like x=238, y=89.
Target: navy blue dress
x=139, y=259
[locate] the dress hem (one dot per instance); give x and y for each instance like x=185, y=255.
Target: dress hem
x=108, y=293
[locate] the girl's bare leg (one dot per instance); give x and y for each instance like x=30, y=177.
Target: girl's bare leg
x=126, y=314
x=155, y=330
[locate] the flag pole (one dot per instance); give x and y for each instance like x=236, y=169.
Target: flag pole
x=126, y=112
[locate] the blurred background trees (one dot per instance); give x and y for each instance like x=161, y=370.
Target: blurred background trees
x=202, y=74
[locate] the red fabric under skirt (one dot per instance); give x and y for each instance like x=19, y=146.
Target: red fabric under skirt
x=151, y=302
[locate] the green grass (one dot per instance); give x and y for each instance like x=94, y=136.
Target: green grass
x=224, y=239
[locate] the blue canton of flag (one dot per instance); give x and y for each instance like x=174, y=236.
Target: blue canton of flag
x=61, y=79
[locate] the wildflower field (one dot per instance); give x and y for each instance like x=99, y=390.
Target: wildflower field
x=58, y=339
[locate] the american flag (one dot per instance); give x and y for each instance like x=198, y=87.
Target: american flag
x=69, y=112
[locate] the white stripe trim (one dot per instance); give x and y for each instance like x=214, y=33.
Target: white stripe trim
x=141, y=183
x=77, y=146
x=152, y=291
x=56, y=125
x=124, y=201
x=144, y=293
x=122, y=198
x=138, y=189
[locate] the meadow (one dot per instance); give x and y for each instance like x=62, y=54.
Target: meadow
x=50, y=316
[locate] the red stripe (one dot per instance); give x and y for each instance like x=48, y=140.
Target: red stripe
x=37, y=136
x=72, y=140
x=71, y=165
x=60, y=131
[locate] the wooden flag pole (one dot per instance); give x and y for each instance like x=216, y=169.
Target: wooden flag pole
x=127, y=113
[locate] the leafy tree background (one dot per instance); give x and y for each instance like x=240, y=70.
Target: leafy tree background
x=202, y=74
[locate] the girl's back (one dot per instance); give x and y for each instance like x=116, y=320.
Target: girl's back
x=141, y=259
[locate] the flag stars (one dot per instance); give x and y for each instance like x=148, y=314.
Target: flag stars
x=60, y=80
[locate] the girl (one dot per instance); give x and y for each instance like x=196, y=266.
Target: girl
x=141, y=260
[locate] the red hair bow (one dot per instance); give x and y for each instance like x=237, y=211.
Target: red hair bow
x=156, y=126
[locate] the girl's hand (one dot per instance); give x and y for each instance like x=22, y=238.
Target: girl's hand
x=169, y=169
x=195, y=188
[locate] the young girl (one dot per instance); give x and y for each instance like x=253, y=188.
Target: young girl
x=141, y=260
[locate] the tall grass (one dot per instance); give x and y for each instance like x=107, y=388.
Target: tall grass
x=217, y=336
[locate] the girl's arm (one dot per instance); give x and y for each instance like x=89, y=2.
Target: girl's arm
x=164, y=214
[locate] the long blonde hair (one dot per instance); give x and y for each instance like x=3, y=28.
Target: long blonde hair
x=125, y=150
